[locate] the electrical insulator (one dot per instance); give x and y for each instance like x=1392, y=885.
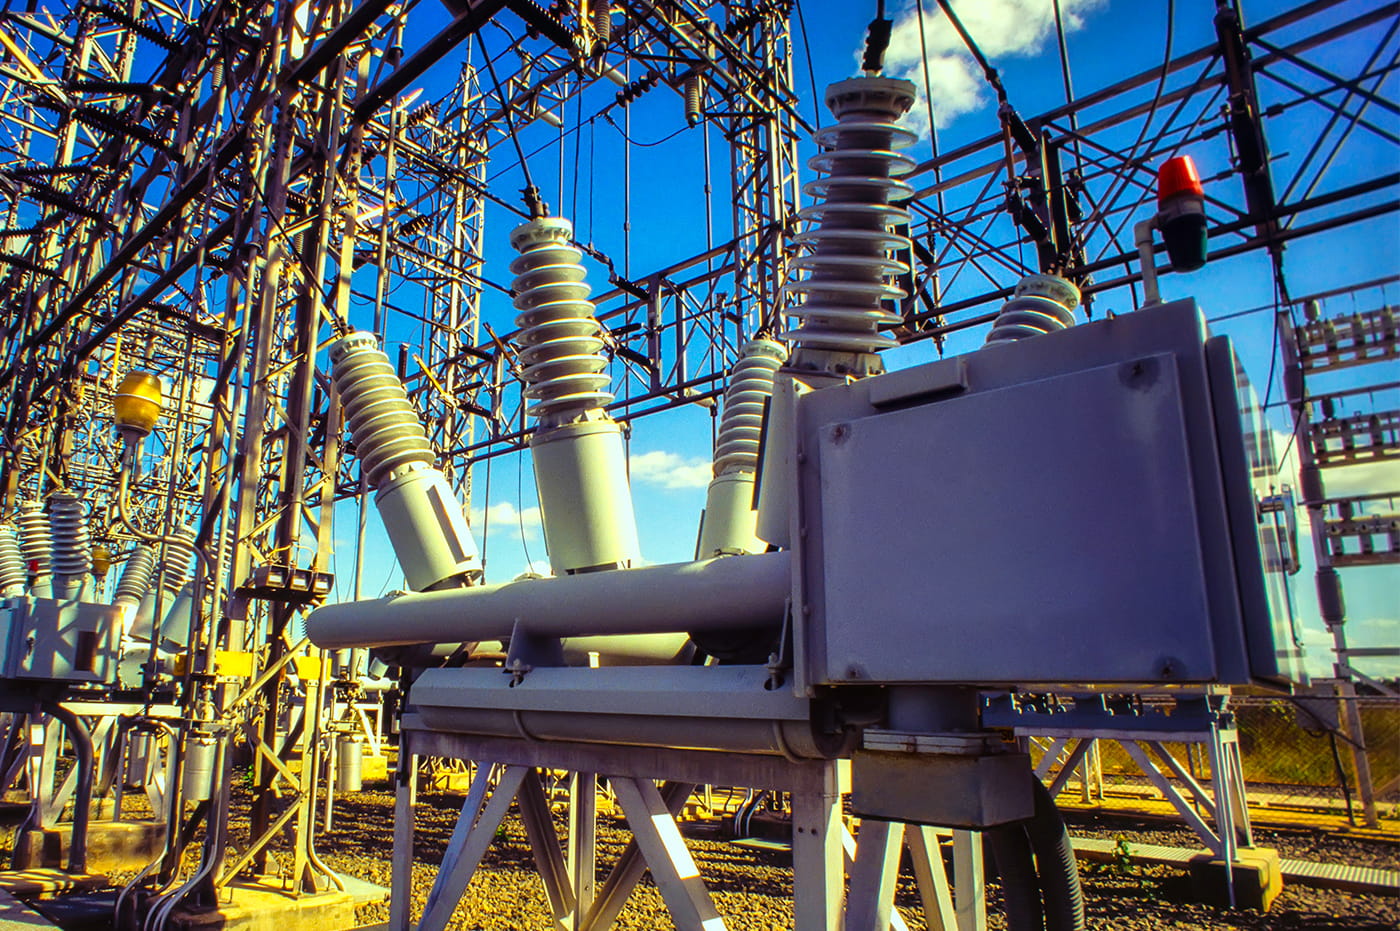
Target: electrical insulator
x=35, y=539
x=728, y=524
x=576, y=449
x=560, y=341
x=423, y=517
x=72, y=543
x=602, y=24
x=842, y=298
x=750, y=387
x=179, y=550
x=1041, y=304
x=12, y=574
x=694, y=98
x=136, y=576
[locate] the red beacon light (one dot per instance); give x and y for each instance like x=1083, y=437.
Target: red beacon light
x=1178, y=177
x=1181, y=213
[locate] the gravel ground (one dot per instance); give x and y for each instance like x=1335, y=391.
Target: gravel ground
x=753, y=889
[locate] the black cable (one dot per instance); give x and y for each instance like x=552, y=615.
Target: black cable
x=1273, y=344
x=607, y=118
x=510, y=123
x=877, y=40
x=988, y=71
x=1010, y=848
x=1055, y=864
x=811, y=74
x=1342, y=778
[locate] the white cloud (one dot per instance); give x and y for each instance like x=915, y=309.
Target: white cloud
x=1363, y=479
x=670, y=470
x=1001, y=28
x=503, y=518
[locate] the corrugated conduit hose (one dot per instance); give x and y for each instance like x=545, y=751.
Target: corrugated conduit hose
x=1040, y=880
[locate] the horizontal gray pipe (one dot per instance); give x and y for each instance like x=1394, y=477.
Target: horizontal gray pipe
x=726, y=593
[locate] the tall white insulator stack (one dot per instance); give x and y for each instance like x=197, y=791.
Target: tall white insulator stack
x=580, y=466
x=134, y=586
x=179, y=552
x=727, y=526
x=13, y=575
x=36, y=544
x=851, y=231
x=136, y=576
x=425, y=522
x=72, y=542
x=1041, y=304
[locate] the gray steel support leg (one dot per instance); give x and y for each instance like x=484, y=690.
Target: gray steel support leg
x=1357, y=738
x=969, y=881
x=401, y=865
x=544, y=842
x=468, y=844
x=931, y=877
x=1170, y=793
x=1062, y=777
x=817, y=870
x=674, y=870
x=582, y=853
x=630, y=867
x=874, y=873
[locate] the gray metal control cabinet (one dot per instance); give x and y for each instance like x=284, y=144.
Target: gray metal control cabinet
x=59, y=640
x=1079, y=507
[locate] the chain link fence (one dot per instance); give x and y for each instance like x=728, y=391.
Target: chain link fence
x=1293, y=750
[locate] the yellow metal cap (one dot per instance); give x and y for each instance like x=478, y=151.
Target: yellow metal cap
x=101, y=561
x=137, y=403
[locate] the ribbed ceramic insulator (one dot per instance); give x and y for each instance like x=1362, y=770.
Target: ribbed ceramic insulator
x=850, y=232
x=72, y=540
x=136, y=575
x=35, y=538
x=12, y=571
x=388, y=432
x=602, y=20
x=694, y=98
x=1041, y=304
x=179, y=550
x=750, y=386
x=559, y=340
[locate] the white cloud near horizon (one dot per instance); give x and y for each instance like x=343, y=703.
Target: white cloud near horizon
x=670, y=470
x=1001, y=29
x=503, y=518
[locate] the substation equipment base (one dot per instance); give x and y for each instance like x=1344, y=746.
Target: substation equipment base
x=823, y=850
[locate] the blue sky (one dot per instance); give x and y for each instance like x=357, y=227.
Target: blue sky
x=1108, y=41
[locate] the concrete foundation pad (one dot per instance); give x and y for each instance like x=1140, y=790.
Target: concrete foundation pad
x=266, y=906
x=112, y=845
x=42, y=883
x=1256, y=875
x=16, y=916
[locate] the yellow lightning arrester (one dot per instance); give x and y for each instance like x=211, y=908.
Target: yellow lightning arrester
x=137, y=404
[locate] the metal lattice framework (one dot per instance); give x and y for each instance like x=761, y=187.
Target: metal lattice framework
x=211, y=191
